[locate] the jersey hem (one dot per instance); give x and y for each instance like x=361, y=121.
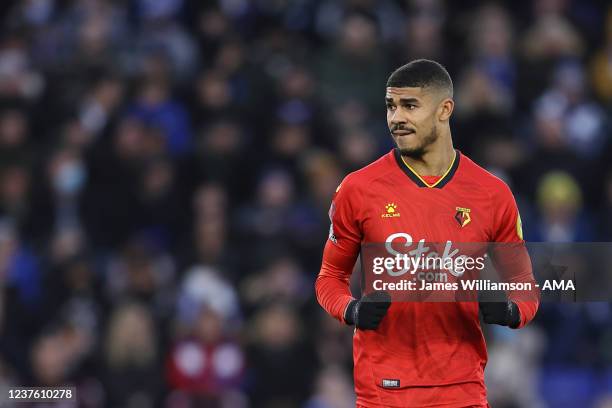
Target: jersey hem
x=463, y=404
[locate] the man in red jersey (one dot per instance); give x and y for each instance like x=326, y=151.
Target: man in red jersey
x=419, y=354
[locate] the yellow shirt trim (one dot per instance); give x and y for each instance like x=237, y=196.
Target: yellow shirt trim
x=439, y=180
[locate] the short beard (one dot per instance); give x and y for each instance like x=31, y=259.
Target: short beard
x=418, y=152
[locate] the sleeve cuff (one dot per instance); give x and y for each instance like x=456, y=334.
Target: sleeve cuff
x=515, y=316
x=348, y=312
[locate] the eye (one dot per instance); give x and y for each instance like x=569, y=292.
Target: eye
x=390, y=106
x=410, y=106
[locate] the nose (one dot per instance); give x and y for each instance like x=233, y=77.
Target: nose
x=397, y=118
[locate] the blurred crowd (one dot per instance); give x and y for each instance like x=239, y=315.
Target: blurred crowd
x=166, y=168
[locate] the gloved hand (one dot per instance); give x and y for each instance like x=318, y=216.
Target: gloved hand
x=367, y=312
x=504, y=313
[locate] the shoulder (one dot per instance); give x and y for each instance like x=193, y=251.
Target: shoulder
x=360, y=179
x=484, y=179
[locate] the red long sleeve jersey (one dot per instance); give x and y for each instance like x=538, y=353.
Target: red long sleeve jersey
x=422, y=354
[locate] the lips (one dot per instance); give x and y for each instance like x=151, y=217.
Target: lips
x=403, y=132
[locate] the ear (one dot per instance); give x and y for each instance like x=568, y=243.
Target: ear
x=445, y=109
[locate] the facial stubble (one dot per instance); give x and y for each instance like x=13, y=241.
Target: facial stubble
x=419, y=151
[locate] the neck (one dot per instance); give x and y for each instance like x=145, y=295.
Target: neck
x=436, y=160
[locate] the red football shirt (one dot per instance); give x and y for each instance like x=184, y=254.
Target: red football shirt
x=433, y=353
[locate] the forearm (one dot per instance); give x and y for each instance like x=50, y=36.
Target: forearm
x=333, y=295
x=514, y=264
x=332, y=284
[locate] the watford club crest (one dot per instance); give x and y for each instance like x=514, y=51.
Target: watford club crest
x=462, y=216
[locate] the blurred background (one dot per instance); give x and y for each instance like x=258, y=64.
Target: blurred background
x=166, y=167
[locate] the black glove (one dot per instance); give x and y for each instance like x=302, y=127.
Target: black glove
x=367, y=312
x=505, y=313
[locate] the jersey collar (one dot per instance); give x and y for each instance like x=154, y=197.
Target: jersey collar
x=418, y=180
